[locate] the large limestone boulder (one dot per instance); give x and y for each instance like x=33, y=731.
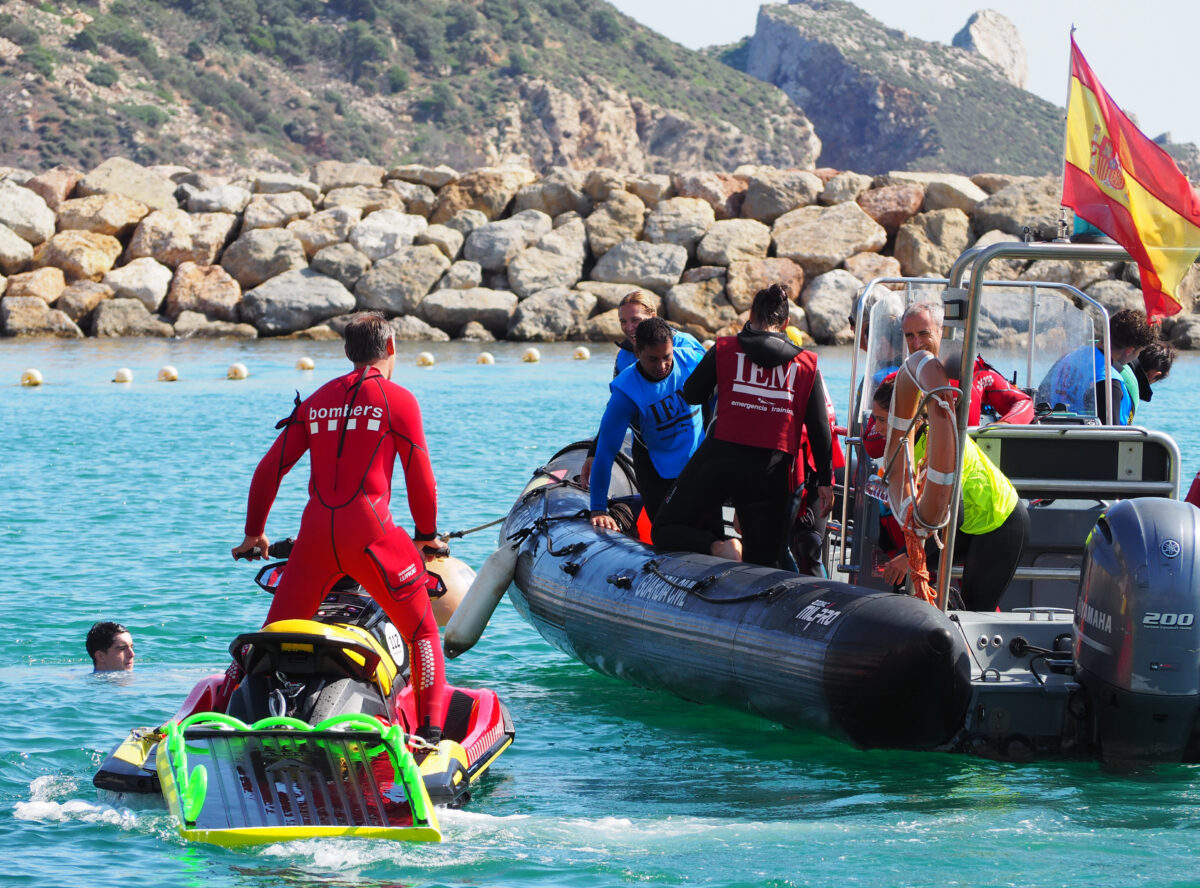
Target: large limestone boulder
x=723, y=192
x=386, y=231
x=120, y=176
x=127, y=317
x=82, y=255
x=496, y=244
x=113, y=214
x=293, y=301
x=367, y=200
x=275, y=210
x=462, y=275
x=278, y=183
x=445, y=238
x=747, y=276
x=419, y=200
x=475, y=332
x=652, y=188
x=25, y=212
x=559, y=191
x=680, y=220
x=80, y=299
x=46, y=284
x=489, y=190
x=193, y=325
x=620, y=217
x=1117, y=295
x=893, y=205
x=609, y=296
x=550, y=315
x=555, y=261
x=208, y=290
x=929, y=243
x=174, y=236
x=341, y=262
x=324, y=229
x=410, y=328
x=15, y=252
x=55, y=184
x=868, y=266
x=31, y=316
x=770, y=193
x=820, y=238
x=654, y=267
x=993, y=182
x=701, y=304
x=827, y=301
x=845, y=186
x=262, y=254
x=331, y=174
x=451, y=310
x=731, y=239
x=397, y=284
x=1003, y=269
x=603, y=327
x=943, y=190
x=433, y=177
x=142, y=279
x=466, y=221
x=221, y=199
x=1034, y=203
x=1076, y=273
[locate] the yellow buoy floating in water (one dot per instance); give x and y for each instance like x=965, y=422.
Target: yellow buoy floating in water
x=306, y=363
x=485, y=358
x=124, y=374
x=237, y=371
x=168, y=374
x=531, y=356
x=31, y=377
x=425, y=359
x=581, y=353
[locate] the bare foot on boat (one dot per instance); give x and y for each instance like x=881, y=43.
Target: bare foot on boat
x=729, y=549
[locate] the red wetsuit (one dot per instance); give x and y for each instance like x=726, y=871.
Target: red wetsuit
x=354, y=428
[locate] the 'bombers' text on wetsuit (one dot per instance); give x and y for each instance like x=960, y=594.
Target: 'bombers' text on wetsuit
x=354, y=428
x=764, y=386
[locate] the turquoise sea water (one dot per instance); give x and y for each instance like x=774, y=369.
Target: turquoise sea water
x=122, y=501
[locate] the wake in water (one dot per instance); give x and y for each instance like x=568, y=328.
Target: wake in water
x=51, y=800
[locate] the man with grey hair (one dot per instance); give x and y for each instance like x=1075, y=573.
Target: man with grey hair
x=355, y=427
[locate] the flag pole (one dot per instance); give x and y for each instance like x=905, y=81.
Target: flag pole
x=1062, y=210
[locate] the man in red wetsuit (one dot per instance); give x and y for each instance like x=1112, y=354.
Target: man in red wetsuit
x=922, y=324
x=354, y=428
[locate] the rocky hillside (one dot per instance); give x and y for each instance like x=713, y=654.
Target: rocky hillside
x=282, y=84
x=881, y=100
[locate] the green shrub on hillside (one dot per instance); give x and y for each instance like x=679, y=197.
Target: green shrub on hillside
x=40, y=59
x=103, y=74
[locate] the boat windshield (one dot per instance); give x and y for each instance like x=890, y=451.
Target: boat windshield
x=1033, y=333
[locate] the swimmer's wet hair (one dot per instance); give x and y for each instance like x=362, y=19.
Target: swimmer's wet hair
x=367, y=338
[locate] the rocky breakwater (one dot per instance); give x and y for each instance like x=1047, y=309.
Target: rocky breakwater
x=125, y=250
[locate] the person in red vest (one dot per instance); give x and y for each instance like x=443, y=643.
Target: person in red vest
x=354, y=429
x=991, y=393
x=766, y=390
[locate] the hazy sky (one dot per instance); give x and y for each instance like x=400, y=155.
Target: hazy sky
x=1138, y=48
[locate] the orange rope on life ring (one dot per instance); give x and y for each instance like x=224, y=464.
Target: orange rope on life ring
x=921, y=504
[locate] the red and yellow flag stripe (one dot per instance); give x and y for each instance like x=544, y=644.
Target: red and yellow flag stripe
x=1128, y=187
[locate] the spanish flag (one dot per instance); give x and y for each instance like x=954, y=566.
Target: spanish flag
x=1128, y=187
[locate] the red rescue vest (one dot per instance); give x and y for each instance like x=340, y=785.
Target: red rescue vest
x=762, y=406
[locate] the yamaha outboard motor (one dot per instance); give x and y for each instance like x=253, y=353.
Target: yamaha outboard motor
x=1137, y=640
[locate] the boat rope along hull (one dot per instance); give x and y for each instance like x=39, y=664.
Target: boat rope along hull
x=874, y=668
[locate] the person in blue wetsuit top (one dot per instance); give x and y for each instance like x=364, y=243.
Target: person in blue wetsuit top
x=1076, y=381
x=634, y=307
x=648, y=396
